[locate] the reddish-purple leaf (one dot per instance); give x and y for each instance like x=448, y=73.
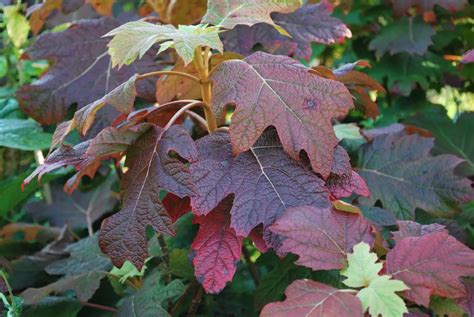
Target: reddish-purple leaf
x=321, y=237
x=264, y=180
x=151, y=168
x=402, y=174
x=431, y=264
x=80, y=73
x=467, y=302
x=311, y=23
x=314, y=299
x=407, y=228
x=402, y=6
x=278, y=91
x=344, y=186
x=468, y=57
x=216, y=248
x=86, y=156
x=175, y=206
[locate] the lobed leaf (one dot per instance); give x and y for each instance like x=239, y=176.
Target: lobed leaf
x=321, y=237
x=431, y=264
x=79, y=63
x=379, y=297
x=403, y=175
x=278, y=91
x=314, y=299
x=230, y=13
x=150, y=169
x=264, y=180
x=134, y=39
x=310, y=23
x=216, y=249
x=361, y=268
x=407, y=228
x=410, y=35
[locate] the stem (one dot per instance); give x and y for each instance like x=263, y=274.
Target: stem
x=183, y=110
x=48, y=196
x=251, y=266
x=198, y=118
x=202, y=66
x=167, y=72
x=100, y=307
x=195, y=302
x=183, y=297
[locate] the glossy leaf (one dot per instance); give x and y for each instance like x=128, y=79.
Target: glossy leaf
x=322, y=237
x=151, y=169
x=278, y=91
x=314, y=299
x=216, y=249
x=24, y=135
x=403, y=175
x=264, y=180
x=430, y=265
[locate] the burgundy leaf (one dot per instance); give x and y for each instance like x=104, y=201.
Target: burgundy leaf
x=216, y=248
x=311, y=23
x=402, y=174
x=264, y=180
x=151, y=169
x=175, y=206
x=467, y=302
x=431, y=264
x=407, y=228
x=344, y=186
x=321, y=237
x=313, y=299
x=278, y=91
x=80, y=73
x=86, y=156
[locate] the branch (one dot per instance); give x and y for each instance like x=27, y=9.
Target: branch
x=183, y=110
x=100, y=307
x=251, y=266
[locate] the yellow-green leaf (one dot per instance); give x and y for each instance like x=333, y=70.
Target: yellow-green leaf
x=17, y=25
x=132, y=40
x=362, y=268
x=380, y=297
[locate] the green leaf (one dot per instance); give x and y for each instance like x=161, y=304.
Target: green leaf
x=23, y=135
x=410, y=35
x=54, y=306
x=230, y=13
x=148, y=300
x=17, y=25
x=134, y=39
x=180, y=265
x=85, y=256
x=380, y=297
x=445, y=307
x=362, y=267
x=347, y=131
x=126, y=271
x=273, y=285
x=450, y=137
x=11, y=188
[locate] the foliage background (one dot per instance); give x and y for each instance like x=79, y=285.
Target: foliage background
x=424, y=83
